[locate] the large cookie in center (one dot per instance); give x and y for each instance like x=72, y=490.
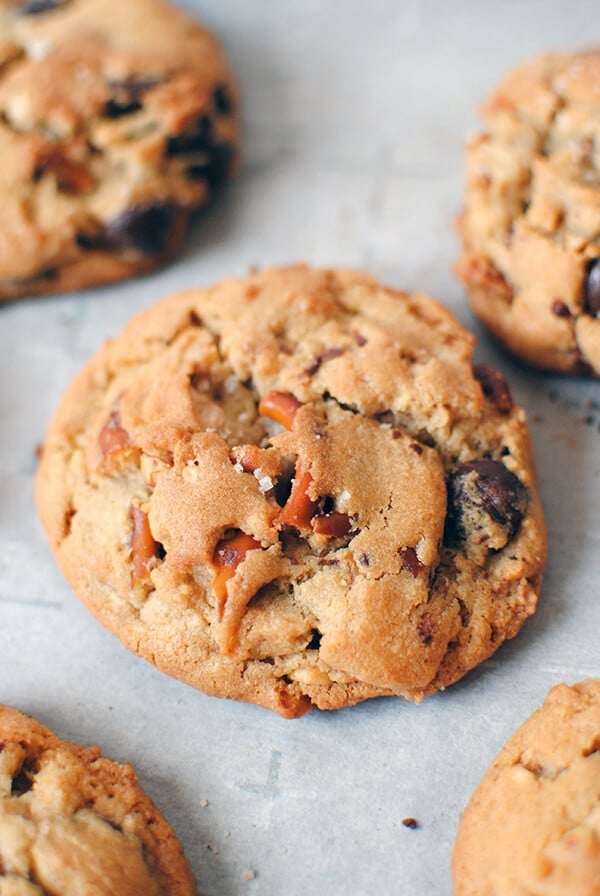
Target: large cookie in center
x=294, y=489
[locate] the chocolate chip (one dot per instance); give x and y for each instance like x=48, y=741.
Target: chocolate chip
x=561, y=309
x=364, y=560
x=410, y=561
x=591, y=287
x=116, y=108
x=127, y=96
x=410, y=823
x=222, y=99
x=33, y=7
x=199, y=140
x=24, y=779
x=144, y=228
x=493, y=488
x=418, y=449
x=494, y=386
x=215, y=168
x=315, y=640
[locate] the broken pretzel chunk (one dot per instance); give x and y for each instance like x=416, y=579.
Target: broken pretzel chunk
x=113, y=437
x=250, y=458
x=145, y=551
x=334, y=524
x=279, y=406
x=70, y=177
x=299, y=508
x=228, y=555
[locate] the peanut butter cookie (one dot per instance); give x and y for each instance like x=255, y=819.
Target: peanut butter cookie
x=294, y=489
x=72, y=822
x=533, y=824
x=531, y=222
x=117, y=120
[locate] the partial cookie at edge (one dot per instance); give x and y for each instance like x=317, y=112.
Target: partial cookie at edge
x=530, y=228
x=533, y=825
x=71, y=821
x=118, y=121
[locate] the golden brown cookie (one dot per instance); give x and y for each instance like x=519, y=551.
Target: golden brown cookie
x=117, y=120
x=531, y=222
x=294, y=489
x=532, y=827
x=72, y=822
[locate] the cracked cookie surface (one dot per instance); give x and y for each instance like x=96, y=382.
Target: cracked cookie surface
x=532, y=827
x=73, y=822
x=117, y=121
x=294, y=489
x=531, y=222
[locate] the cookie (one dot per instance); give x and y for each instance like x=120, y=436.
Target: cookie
x=72, y=822
x=294, y=489
x=531, y=222
x=117, y=121
x=532, y=827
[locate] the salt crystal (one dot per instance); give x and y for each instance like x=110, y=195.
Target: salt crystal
x=38, y=48
x=265, y=484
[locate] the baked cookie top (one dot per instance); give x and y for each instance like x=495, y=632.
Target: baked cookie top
x=532, y=827
x=72, y=822
x=531, y=222
x=117, y=120
x=294, y=489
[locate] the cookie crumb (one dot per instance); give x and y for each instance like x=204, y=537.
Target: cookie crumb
x=410, y=823
x=204, y=803
x=249, y=875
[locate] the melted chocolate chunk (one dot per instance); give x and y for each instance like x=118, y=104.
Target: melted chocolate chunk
x=591, y=287
x=216, y=167
x=410, y=561
x=143, y=228
x=34, y=7
x=222, y=99
x=494, y=386
x=199, y=140
x=493, y=489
